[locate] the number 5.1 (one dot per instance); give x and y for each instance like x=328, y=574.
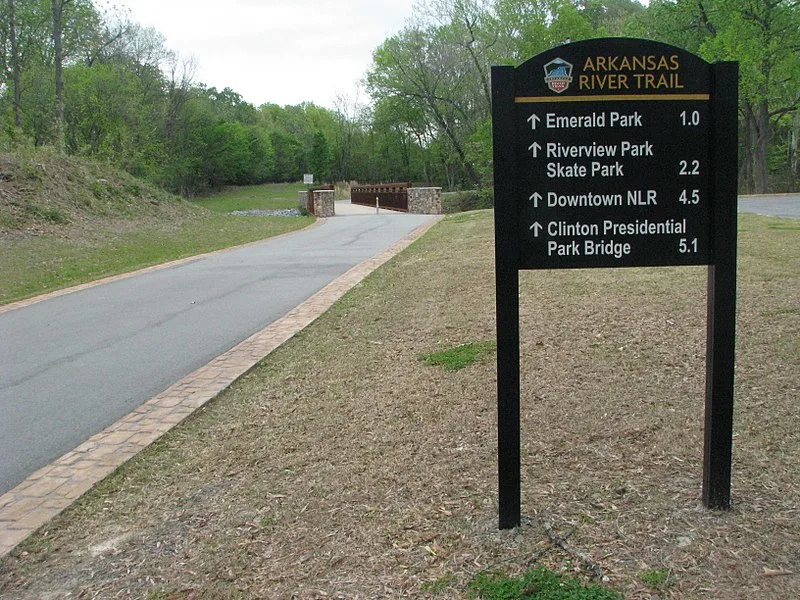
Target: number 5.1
x=687, y=246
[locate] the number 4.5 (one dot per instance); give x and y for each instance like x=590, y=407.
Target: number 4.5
x=685, y=198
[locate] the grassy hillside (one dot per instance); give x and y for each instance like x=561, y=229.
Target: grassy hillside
x=44, y=193
x=64, y=221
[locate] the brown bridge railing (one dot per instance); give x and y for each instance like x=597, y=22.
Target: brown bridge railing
x=389, y=195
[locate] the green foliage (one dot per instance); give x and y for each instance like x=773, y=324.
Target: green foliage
x=611, y=16
x=439, y=585
x=319, y=160
x=538, y=584
x=53, y=214
x=37, y=120
x=101, y=111
x=454, y=202
x=461, y=356
x=479, y=151
x=395, y=132
x=762, y=36
x=443, y=79
x=429, y=118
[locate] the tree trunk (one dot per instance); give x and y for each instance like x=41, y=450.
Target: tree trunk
x=746, y=168
x=793, y=162
x=760, y=148
x=15, y=66
x=445, y=126
x=58, y=59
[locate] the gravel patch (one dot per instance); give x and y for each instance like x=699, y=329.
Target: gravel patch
x=286, y=212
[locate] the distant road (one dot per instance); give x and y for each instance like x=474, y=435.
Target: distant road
x=784, y=205
x=72, y=365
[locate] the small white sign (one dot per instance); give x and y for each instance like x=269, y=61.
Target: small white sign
x=308, y=178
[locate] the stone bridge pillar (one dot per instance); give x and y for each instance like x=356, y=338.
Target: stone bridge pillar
x=425, y=201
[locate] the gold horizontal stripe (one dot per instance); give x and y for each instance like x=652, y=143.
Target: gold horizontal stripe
x=533, y=99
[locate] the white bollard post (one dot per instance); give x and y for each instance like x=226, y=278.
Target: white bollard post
x=377, y=205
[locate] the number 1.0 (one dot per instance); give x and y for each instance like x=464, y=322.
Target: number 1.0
x=690, y=118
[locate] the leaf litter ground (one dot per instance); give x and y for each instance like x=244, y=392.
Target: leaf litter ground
x=343, y=466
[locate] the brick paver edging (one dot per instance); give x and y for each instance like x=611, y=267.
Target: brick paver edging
x=53, y=488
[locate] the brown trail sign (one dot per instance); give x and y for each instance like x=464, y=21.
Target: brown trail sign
x=616, y=153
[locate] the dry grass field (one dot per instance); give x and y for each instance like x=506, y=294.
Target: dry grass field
x=344, y=466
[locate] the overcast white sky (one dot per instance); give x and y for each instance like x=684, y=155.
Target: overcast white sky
x=278, y=51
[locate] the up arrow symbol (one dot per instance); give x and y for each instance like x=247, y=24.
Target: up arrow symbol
x=535, y=196
x=534, y=120
x=536, y=228
x=535, y=147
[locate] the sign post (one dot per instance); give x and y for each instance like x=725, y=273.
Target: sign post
x=721, y=319
x=507, y=298
x=616, y=153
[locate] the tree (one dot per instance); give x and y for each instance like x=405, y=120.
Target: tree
x=319, y=159
x=58, y=60
x=610, y=17
x=399, y=132
x=424, y=69
x=78, y=27
x=764, y=37
x=348, y=137
x=15, y=64
x=37, y=116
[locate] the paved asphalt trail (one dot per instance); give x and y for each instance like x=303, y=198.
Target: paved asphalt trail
x=784, y=205
x=72, y=365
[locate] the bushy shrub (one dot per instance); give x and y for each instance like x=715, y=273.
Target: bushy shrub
x=453, y=202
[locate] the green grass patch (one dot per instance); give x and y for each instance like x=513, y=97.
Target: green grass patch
x=780, y=312
x=537, y=584
x=267, y=522
x=781, y=227
x=438, y=586
x=273, y=196
x=462, y=217
x=33, y=266
x=53, y=214
x=461, y=356
x=656, y=578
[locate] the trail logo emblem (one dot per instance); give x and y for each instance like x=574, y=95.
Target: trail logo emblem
x=558, y=75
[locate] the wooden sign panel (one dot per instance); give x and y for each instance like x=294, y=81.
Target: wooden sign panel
x=616, y=152
x=613, y=156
